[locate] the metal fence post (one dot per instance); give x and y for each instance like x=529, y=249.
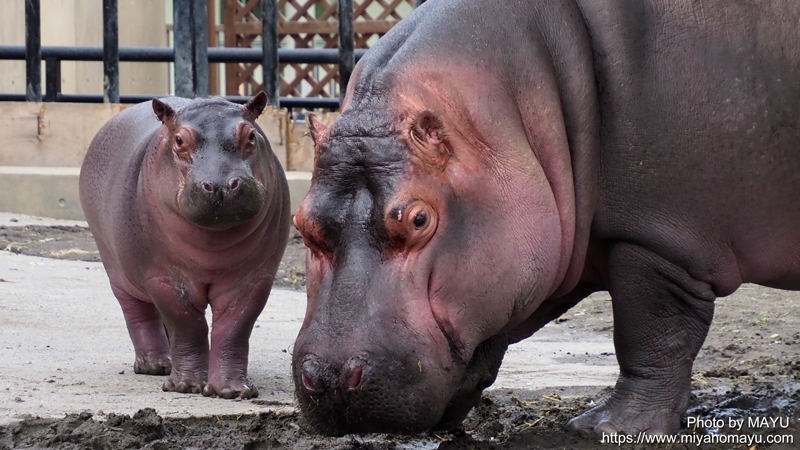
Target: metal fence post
x=270, y=44
x=33, y=51
x=200, y=48
x=184, y=57
x=191, y=50
x=110, y=52
x=346, y=45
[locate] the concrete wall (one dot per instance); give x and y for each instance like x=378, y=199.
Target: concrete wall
x=80, y=22
x=42, y=146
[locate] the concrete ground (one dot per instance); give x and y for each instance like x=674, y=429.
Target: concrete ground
x=64, y=348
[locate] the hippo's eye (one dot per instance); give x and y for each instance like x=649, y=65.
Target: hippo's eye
x=178, y=140
x=420, y=220
x=252, y=136
x=410, y=225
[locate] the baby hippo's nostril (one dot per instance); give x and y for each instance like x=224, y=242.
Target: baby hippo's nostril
x=208, y=187
x=234, y=183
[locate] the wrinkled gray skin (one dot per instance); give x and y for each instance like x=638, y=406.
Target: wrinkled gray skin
x=495, y=164
x=189, y=207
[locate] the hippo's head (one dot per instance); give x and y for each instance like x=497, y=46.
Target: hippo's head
x=216, y=152
x=424, y=250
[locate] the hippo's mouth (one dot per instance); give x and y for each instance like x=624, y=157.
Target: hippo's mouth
x=479, y=374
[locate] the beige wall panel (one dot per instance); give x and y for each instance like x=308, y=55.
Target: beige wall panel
x=19, y=130
x=142, y=24
x=80, y=22
x=274, y=124
x=88, y=31
x=12, y=32
x=49, y=134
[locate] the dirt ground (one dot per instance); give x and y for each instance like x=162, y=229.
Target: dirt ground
x=748, y=368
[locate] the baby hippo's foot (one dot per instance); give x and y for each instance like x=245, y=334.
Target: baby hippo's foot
x=153, y=364
x=231, y=389
x=184, y=384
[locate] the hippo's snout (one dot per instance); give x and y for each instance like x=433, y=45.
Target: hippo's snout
x=371, y=391
x=219, y=204
x=219, y=191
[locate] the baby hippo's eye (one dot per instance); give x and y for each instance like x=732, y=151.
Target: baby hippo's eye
x=178, y=140
x=252, y=136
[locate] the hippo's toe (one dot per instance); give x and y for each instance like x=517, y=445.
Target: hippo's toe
x=184, y=386
x=152, y=365
x=242, y=390
x=612, y=417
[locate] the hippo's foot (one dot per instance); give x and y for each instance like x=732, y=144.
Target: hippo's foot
x=630, y=411
x=152, y=365
x=184, y=385
x=243, y=389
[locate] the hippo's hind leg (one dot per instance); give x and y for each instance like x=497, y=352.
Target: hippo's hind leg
x=147, y=333
x=661, y=318
x=234, y=316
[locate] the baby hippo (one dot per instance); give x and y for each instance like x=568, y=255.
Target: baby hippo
x=190, y=208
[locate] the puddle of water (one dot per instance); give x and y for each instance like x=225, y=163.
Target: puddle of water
x=418, y=444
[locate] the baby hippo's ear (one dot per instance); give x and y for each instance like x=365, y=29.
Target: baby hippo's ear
x=255, y=106
x=428, y=140
x=164, y=112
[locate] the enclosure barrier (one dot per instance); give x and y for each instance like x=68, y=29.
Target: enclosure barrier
x=190, y=54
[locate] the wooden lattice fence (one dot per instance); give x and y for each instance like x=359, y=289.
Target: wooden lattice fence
x=303, y=24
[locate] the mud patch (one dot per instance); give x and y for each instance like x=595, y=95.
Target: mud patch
x=77, y=243
x=522, y=420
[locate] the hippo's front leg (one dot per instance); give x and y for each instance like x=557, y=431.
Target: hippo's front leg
x=234, y=316
x=188, y=336
x=147, y=333
x=661, y=318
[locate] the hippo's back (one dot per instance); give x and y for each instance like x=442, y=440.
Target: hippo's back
x=700, y=153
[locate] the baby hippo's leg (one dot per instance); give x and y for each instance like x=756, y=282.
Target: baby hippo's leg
x=147, y=333
x=188, y=338
x=234, y=316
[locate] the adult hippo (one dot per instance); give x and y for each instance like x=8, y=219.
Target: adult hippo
x=189, y=207
x=496, y=162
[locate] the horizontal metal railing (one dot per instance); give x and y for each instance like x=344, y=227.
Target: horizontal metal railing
x=190, y=56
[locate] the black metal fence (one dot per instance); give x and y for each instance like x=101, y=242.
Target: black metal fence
x=190, y=54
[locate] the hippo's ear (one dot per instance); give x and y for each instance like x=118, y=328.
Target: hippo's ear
x=316, y=128
x=427, y=137
x=164, y=112
x=255, y=106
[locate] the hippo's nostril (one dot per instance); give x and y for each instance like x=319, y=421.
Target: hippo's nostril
x=353, y=372
x=208, y=187
x=307, y=383
x=311, y=376
x=233, y=184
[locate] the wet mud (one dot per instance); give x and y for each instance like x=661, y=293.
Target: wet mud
x=748, y=371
